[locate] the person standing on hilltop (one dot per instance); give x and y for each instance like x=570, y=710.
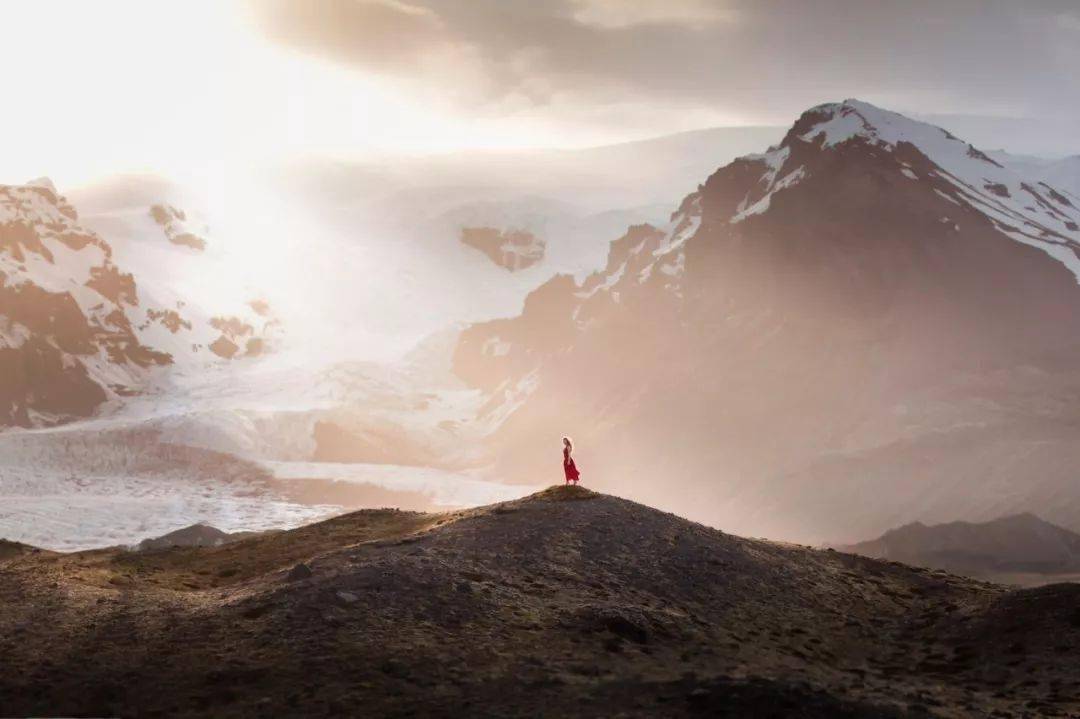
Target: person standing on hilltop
x=569, y=468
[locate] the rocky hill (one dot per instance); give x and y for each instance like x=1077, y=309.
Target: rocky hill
x=565, y=603
x=872, y=312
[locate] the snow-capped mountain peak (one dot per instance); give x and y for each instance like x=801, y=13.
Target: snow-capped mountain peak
x=1030, y=211
x=842, y=121
x=868, y=261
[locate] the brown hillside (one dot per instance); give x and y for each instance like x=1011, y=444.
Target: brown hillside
x=566, y=603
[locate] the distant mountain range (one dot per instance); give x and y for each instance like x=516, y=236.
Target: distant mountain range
x=871, y=312
x=406, y=216
x=1020, y=543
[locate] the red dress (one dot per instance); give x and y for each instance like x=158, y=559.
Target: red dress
x=569, y=468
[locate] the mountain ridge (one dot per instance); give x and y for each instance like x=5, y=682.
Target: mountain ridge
x=844, y=257
x=1011, y=544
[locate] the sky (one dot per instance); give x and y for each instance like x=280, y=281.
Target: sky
x=193, y=89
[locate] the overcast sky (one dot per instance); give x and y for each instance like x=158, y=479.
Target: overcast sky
x=194, y=86
x=753, y=61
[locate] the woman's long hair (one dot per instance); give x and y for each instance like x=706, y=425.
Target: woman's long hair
x=567, y=442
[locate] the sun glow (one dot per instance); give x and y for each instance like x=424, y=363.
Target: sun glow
x=193, y=91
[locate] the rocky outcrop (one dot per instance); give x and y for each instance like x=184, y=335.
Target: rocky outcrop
x=512, y=250
x=174, y=223
x=40, y=386
x=234, y=333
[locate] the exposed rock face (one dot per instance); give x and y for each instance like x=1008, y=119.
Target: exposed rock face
x=851, y=315
x=174, y=223
x=170, y=319
x=74, y=329
x=234, y=334
x=510, y=249
x=39, y=387
x=62, y=311
x=1019, y=543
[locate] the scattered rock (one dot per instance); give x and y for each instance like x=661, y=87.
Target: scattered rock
x=300, y=571
x=346, y=597
x=394, y=668
x=255, y=611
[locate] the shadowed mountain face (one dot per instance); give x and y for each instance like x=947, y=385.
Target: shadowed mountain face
x=873, y=314
x=1020, y=543
x=565, y=603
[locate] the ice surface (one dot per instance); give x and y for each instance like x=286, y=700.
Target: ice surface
x=70, y=489
x=447, y=489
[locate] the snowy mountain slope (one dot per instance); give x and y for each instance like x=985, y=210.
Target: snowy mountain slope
x=1036, y=214
x=179, y=266
x=85, y=319
x=1063, y=173
x=869, y=291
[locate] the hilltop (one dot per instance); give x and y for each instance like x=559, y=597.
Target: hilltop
x=566, y=603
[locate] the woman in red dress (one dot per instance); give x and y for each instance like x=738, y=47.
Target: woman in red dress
x=569, y=468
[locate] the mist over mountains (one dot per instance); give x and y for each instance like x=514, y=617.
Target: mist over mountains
x=568, y=358
x=1005, y=549
x=844, y=319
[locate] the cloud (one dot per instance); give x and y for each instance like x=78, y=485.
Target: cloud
x=616, y=14
x=381, y=34
x=761, y=60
